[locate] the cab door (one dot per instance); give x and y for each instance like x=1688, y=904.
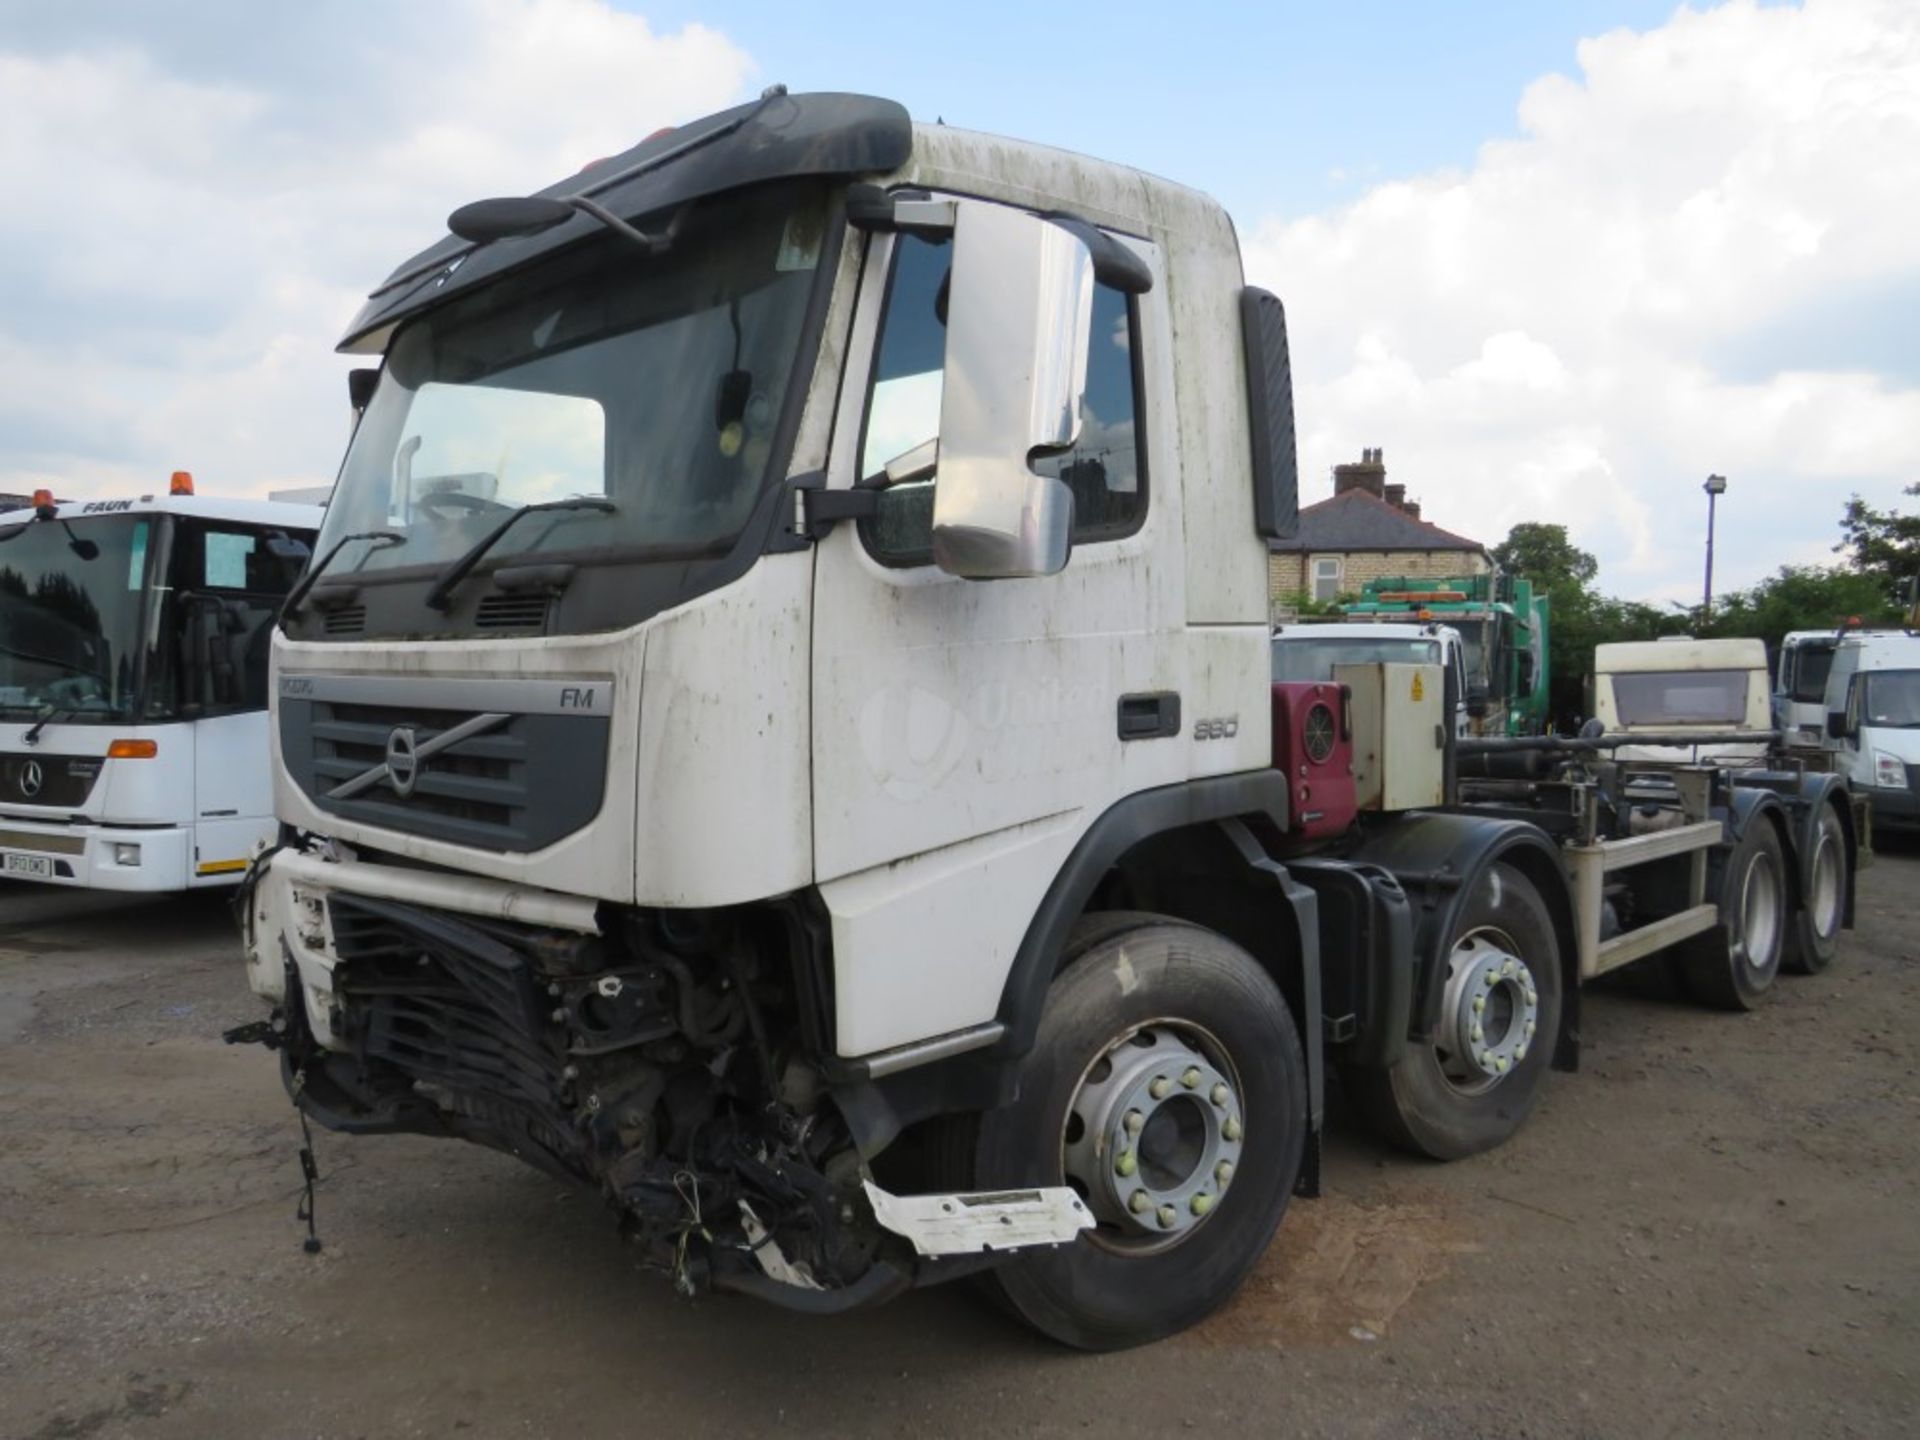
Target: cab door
x=228, y=587
x=966, y=732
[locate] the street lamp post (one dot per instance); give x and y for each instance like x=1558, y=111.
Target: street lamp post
x=1715, y=487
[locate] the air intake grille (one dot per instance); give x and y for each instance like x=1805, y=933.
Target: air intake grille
x=348, y=620
x=508, y=782
x=512, y=612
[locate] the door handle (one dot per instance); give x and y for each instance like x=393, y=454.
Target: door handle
x=1151, y=716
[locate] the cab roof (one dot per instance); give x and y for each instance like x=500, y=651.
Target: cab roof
x=204, y=507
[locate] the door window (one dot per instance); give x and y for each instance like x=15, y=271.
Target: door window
x=227, y=588
x=1105, y=469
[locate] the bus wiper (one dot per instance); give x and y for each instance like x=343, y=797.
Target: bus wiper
x=457, y=571
x=47, y=717
x=291, y=605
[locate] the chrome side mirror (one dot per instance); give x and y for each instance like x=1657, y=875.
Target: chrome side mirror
x=1019, y=308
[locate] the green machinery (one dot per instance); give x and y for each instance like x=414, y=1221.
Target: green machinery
x=1503, y=629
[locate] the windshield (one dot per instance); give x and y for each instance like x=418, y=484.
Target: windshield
x=1891, y=700
x=1312, y=657
x=656, y=382
x=70, y=607
x=1681, y=697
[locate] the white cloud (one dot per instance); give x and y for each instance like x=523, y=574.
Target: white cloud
x=1697, y=257
x=198, y=201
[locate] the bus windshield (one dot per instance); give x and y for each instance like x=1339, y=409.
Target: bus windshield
x=70, y=617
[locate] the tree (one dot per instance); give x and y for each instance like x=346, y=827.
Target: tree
x=1543, y=554
x=1882, y=543
x=1802, y=597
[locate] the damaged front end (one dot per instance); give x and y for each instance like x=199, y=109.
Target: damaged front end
x=660, y=1056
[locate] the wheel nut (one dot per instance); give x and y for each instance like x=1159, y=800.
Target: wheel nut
x=1477, y=1034
x=1191, y=1079
x=1501, y=1064
x=1135, y=1120
x=1520, y=1054
x=1125, y=1164
x=1529, y=1027
x=1231, y=1130
x=1219, y=1096
x=1506, y=969
x=1533, y=997
x=1479, y=1003
x=1159, y=1088
x=1140, y=1202
x=1200, y=1203
x=1223, y=1172
x=1166, y=1216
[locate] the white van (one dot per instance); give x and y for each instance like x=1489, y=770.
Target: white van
x=1873, y=722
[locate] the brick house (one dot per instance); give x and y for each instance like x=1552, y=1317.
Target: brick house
x=1365, y=530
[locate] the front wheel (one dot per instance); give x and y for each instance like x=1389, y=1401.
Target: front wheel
x=1478, y=1080
x=1168, y=1087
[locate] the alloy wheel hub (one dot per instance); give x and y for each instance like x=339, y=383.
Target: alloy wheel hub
x=1490, y=1013
x=1154, y=1134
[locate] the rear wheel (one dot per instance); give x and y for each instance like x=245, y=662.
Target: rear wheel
x=1478, y=1081
x=1734, y=964
x=1167, y=1085
x=1815, y=935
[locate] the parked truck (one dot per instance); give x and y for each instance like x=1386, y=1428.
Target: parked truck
x=133, y=685
x=779, y=728
x=1312, y=649
x=1505, y=627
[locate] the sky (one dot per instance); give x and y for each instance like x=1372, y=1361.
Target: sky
x=1558, y=260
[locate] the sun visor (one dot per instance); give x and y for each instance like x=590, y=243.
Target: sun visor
x=777, y=137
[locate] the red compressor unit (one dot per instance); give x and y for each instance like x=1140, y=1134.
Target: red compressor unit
x=1313, y=748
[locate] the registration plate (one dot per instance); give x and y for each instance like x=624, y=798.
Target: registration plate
x=34, y=867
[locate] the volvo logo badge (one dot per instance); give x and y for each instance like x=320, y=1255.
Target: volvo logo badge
x=31, y=779
x=403, y=761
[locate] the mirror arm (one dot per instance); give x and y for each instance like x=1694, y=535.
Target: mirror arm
x=816, y=509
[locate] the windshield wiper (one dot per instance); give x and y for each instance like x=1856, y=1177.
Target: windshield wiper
x=47, y=717
x=457, y=571
x=291, y=605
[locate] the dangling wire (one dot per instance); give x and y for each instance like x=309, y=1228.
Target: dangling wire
x=310, y=1171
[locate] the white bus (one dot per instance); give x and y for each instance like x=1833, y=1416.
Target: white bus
x=134, y=637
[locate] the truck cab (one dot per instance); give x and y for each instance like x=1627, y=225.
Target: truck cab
x=1680, y=685
x=1873, y=721
x=134, y=641
x=1309, y=650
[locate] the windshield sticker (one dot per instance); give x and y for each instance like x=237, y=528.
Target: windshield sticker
x=800, y=242
x=137, y=557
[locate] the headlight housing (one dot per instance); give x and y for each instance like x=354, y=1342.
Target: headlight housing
x=1889, y=771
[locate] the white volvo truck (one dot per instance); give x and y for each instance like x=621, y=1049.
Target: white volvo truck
x=779, y=728
x=134, y=639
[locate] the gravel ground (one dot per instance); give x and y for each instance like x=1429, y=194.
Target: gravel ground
x=1709, y=1231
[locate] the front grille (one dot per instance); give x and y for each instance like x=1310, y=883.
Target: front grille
x=477, y=785
x=512, y=612
x=347, y=620
x=514, y=782
x=450, y=1005
x=64, y=781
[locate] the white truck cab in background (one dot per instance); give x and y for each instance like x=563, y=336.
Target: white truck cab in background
x=1309, y=650
x=1680, y=684
x=133, y=685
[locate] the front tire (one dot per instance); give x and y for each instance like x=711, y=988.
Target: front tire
x=1815, y=936
x=1167, y=1084
x=1733, y=965
x=1480, y=1078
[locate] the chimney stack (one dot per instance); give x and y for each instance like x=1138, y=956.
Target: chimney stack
x=1397, y=496
x=1368, y=474
x=1412, y=507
